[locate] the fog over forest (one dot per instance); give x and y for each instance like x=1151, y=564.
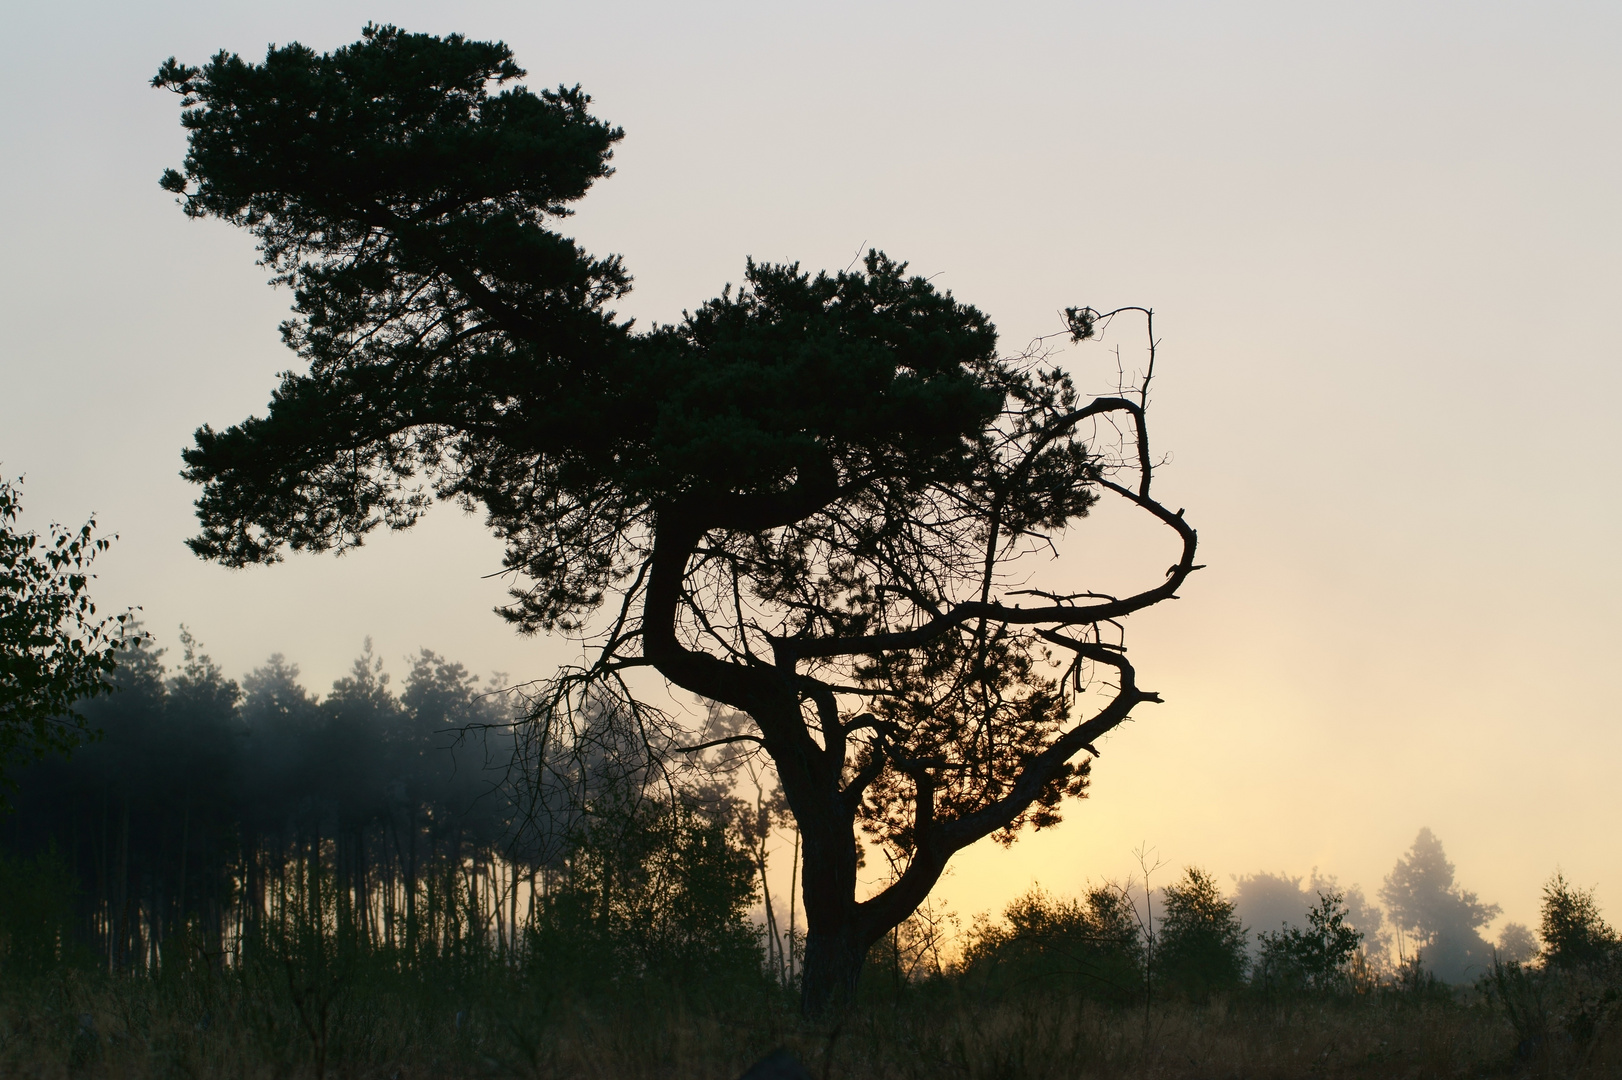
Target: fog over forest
x=202, y=794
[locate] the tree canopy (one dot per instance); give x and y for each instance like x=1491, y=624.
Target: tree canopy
x=54, y=650
x=805, y=500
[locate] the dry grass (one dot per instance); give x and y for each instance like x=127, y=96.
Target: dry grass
x=73, y=1025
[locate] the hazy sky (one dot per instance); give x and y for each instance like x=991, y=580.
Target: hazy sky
x=1382, y=241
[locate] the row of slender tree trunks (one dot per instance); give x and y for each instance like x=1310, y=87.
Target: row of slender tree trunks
x=152, y=892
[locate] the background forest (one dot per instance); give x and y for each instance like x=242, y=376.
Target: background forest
x=246, y=874
x=212, y=812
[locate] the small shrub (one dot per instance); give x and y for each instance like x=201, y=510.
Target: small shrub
x=1521, y=992
x=1089, y=946
x=1318, y=958
x=656, y=890
x=1574, y=935
x=1201, y=948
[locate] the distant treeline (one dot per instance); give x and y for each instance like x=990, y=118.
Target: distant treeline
x=212, y=818
x=210, y=813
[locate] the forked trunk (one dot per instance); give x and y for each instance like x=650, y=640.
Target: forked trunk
x=839, y=931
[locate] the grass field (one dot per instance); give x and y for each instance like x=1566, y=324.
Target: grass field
x=282, y=1023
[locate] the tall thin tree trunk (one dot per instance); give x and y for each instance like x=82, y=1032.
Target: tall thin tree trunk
x=793, y=896
x=121, y=937
x=512, y=908
x=774, y=946
x=411, y=886
x=103, y=884
x=180, y=890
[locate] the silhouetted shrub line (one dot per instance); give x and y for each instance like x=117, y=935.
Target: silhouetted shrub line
x=307, y=1000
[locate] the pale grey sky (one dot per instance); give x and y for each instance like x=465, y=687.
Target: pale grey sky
x=1382, y=240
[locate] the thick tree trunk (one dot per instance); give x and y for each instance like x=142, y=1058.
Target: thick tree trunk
x=835, y=939
x=839, y=930
x=833, y=967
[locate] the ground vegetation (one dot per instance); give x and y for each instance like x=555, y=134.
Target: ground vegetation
x=309, y=999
